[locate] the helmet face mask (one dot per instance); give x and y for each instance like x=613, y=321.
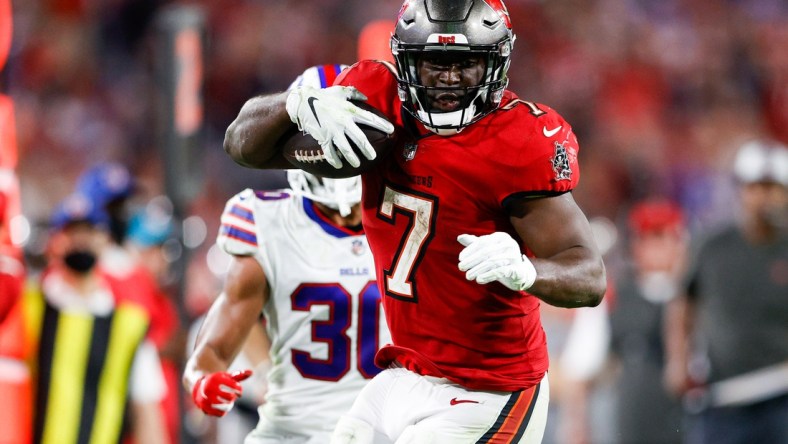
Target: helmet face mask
x=456, y=29
x=337, y=194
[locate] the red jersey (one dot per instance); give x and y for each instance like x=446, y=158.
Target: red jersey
x=428, y=191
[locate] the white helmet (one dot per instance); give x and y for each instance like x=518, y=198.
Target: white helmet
x=318, y=76
x=338, y=194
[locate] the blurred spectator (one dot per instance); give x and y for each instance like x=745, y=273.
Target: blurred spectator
x=110, y=185
x=90, y=354
x=734, y=316
x=613, y=358
x=16, y=390
x=579, y=341
x=149, y=235
x=578, y=364
x=15, y=385
x=12, y=270
x=645, y=412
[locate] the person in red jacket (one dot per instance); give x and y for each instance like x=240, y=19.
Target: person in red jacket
x=15, y=383
x=12, y=270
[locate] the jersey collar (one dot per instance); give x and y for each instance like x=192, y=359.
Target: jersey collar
x=326, y=224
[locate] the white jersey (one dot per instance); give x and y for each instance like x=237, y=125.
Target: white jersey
x=323, y=317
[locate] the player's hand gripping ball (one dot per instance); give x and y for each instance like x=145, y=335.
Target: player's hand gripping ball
x=342, y=135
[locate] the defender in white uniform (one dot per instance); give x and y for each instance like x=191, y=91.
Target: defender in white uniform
x=320, y=301
x=301, y=258
x=324, y=316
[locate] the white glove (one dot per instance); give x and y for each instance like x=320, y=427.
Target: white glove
x=328, y=116
x=496, y=257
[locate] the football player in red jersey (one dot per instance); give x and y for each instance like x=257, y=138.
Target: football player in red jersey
x=471, y=221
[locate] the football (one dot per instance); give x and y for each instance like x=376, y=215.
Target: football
x=303, y=151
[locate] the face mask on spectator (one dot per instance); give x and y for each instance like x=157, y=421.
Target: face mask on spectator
x=80, y=261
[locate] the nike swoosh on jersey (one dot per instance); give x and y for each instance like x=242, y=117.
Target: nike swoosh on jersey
x=550, y=133
x=455, y=401
x=312, y=107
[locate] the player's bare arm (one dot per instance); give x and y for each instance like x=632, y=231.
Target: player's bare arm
x=251, y=138
x=569, y=268
x=328, y=115
x=222, y=335
x=229, y=320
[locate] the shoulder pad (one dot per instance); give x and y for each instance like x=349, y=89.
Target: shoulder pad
x=238, y=232
x=378, y=81
x=547, y=158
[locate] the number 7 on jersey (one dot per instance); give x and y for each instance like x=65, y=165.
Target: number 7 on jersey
x=420, y=210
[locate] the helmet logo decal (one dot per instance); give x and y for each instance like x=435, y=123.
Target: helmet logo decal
x=402, y=9
x=560, y=163
x=447, y=38
x=500, y=8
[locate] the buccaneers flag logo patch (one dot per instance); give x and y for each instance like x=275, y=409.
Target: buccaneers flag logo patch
x=560, y=162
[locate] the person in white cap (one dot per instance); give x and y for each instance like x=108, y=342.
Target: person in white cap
x=734, y=315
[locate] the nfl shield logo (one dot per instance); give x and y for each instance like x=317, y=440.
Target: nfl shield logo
x=357, y=247
x=409, y=152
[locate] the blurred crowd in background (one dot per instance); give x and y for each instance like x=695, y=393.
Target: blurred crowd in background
x=660, y=95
